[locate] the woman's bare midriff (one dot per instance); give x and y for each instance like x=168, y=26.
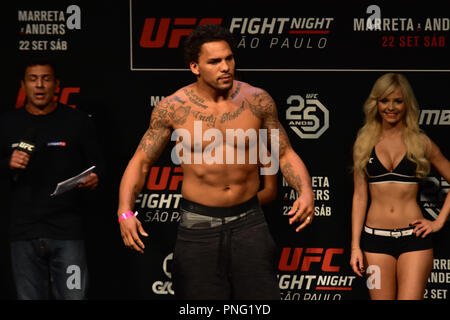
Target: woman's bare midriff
x=393, y=205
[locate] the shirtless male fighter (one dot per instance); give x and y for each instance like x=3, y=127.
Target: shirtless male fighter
x=224, y=249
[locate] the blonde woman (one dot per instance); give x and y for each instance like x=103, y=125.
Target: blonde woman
x=390, y=156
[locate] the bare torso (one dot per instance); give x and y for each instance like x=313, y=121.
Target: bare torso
x=213, y=176
x=393, y=205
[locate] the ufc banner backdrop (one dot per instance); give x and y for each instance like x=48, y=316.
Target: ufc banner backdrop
x=318, y=61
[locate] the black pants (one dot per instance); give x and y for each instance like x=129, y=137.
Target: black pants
x=233, y=260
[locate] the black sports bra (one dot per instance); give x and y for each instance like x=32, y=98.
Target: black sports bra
x=404, y=172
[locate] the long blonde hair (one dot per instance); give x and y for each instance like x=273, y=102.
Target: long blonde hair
x=369, y=134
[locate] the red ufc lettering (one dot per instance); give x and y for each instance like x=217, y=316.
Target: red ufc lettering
x=312, y=255
x=63, y=97
x=326, y=266
x=153, y=184
x=65, y=93
x=307, y=260
x=159, y=40
x=283, y=265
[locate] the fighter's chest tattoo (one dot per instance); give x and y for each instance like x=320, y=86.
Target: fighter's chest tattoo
x=208, y=118
x=228, y=116
x=196, y=108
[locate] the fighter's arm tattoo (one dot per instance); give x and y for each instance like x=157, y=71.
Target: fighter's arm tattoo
x=167, y=112
x=263, y=107
x=291, y=177
x=157, y=134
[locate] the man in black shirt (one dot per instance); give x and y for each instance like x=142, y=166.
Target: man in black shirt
x=42, y=144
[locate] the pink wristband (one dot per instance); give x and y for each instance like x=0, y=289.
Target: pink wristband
x=126, y=215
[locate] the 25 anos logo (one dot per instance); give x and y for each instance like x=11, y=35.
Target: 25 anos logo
x=308, y=118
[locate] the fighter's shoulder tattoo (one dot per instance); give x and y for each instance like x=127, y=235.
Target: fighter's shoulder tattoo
x=263, y=107
x=159, y=117
x=171, y=110
x=179, y=111
x=261, y=104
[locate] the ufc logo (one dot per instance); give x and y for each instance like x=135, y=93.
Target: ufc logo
x=164, y=28
x=26, y=147
x=157, y=181
x=311, y=255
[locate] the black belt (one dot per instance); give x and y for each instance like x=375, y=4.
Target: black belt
x=219, y=212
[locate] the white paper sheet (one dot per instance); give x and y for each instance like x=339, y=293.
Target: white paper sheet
x=71, y=183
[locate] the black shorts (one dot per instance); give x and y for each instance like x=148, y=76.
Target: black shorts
x=394, y=245
x=233, y=257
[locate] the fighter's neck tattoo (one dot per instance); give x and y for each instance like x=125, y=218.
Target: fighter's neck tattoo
x=199, y=101
x=236, y=92
x=194, y=98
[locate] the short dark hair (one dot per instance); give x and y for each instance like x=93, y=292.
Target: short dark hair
x=39, y=61
x=203, y=34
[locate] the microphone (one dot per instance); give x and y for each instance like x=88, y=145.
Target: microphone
x=27, y=145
